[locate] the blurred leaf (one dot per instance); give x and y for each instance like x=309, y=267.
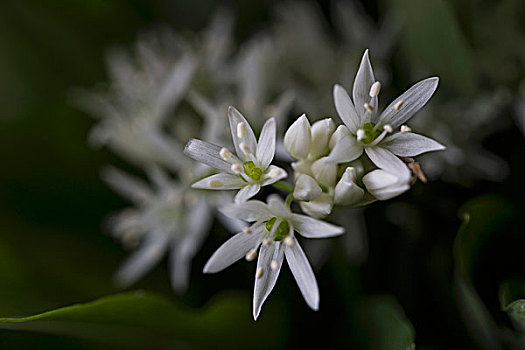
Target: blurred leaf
x=512, y=300
x=435, y=44
x=385, y=325
x=139, y=319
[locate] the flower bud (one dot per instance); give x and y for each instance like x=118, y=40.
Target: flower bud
x=318, y=208
x=297, y=138
x=346, y=190
x=338, y=134
x=325, y=172
x=302, y=166
x=322, y=130
x=385, y=185
x=306, y=188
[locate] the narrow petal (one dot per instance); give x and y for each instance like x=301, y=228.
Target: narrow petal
x=248, y=211
x=362, y=84
x=207, y=153
x=303, y=274
x=232, y=250
x=180, y=265
x=346, y=149
x=412, y=101
x=274, y=174
x=235, y=118
x=247, y=192
x=220, y=181
x=313, y=228
x=266, y=145
x=407, y=144
x=345, y=109
x=143, y=260
x=264, y=285
x=128, y=186
x=384, y=159
x=277, y=206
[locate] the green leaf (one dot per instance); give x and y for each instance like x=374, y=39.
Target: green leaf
x=140, y=319
x=512, y=301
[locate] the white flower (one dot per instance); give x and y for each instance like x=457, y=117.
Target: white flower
x=369, y=131
x=271, y=236
x=249, y=169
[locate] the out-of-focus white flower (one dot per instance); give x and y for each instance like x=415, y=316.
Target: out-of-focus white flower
x=169, y=218
x=370, y=131
x=271, y=237
x=249, y=169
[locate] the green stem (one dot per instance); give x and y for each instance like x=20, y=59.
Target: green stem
x=283, y=186
x=289, y=200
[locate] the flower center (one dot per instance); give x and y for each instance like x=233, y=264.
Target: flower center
x=282, y=230
x=371, y=133
x=252, y=171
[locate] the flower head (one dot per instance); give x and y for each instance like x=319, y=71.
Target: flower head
x=271, y=237
x=249, y=169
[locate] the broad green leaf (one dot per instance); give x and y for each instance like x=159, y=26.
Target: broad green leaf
x=139, y=319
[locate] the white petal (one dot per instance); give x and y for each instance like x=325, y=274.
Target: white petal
x=362, y=84
x=313, y=228
x=220, y=181
x=407, y=144
x=207, y=153
x=235, y=117
x=264, y=285
x=273, y=174
x=384, y=185
x=346, y=149
x=322, y=131
x=180, y=266
x=306, y=188
x=320, y=207
x=304, y=276
x=277, y=206
x=384, y=159
x=338, y=134
x=248, y=211
x=232, y=250
x=247, y=192
x=347, y=192
x=266, y=145
x=325, y=171
x=297, y=138
x=142, y=261
x=128, y=186
x=345, y=109
x=413, y=99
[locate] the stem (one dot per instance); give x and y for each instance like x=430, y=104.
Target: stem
x=283, y=186
x=289, y=200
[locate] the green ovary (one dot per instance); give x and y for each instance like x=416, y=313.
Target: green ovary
x=282, y=230
x=252, y=170
x=370, y=133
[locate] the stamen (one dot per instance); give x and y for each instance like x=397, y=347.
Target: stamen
x=244, y=148
x=216, y=183
x=267, y=241
x=369, y=107
x=388, y=128
x=375, y=89
x=251, y=255
x=289, y=241
x=360, y=134
x=405, y=128
x=247, y=230
x=225, y=154
x=236, y=168
x=241, y=130
x=274, y=265
x=259, y=273
x=398, y=105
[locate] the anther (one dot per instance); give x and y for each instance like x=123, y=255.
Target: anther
x=244, y=148
x=236, y=168
x=251, y=255
x=398, y=105
x=267, y=241
x=241, y=130
x=405, y=128
x=375, y=89
x=360, y=134
x=259, y=273
x=274, y=265
x=225, y=154
x=289, y=241
x=369, y=107
x=247, y=230
x=216, y=183
x=388, y=128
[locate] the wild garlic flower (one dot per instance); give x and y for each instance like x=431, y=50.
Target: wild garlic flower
x=373, y=133
x=247, y=171
x=271, y=237
x=367, y=130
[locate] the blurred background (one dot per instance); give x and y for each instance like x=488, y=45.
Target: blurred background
x=427, y=275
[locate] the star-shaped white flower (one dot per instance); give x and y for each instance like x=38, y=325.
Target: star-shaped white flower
x=272, y=231
x=367, y=130
x=247, y=171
